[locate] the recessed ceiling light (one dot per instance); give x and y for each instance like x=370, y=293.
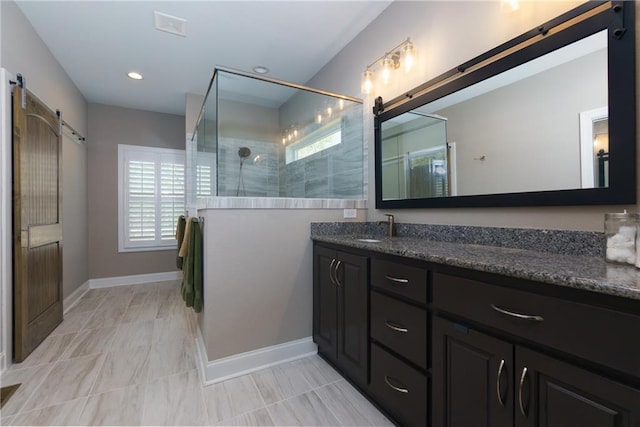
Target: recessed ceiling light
x=133, y=75
x=260, y=69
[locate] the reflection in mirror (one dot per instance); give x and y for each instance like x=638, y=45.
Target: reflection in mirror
x=416, y=157
x=518, y=131
x=545, y=119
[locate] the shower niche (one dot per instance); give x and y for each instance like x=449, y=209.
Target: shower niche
x=261, y=137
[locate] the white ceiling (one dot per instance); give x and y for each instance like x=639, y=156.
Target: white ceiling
x=98, y=42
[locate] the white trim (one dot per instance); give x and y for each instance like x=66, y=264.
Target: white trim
x=587, y=161
x=3, y=366
x=216, y=371
x=74, y=297
x=108, y=282
x=6, y=245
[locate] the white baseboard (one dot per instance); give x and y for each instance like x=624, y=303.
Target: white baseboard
x=109, y=282
x=3, y=363
x=75, y=296
x=244, y=363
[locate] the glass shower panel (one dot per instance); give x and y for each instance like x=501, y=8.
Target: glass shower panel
x=274, y=139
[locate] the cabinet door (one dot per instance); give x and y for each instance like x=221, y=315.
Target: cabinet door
x=472, y=378
x=551, y=393
x=352, y=279
x=325, y=302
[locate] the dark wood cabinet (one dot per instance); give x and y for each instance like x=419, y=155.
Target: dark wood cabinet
x=553, y=393
x=340, y=312
x=438, y=345
x=481, y=380
x=472, y=377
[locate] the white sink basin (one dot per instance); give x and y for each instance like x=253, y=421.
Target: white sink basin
x=369, y=240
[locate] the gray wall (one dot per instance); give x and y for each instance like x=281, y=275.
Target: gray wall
x=529, y=142
x=258, y=278
x=440, y=47
x=75, y=254
x=23, y=51
x=109, y=127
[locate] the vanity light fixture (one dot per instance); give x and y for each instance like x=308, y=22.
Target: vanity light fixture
x=404, y=53
x=134, y=75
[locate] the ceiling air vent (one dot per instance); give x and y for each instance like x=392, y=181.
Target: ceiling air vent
x=170, y=24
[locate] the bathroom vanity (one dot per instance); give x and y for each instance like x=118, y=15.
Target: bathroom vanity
x=449, y=334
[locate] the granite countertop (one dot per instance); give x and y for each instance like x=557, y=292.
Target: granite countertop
x=575, y=271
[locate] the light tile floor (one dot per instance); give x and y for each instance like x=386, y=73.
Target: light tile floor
x=125, y=356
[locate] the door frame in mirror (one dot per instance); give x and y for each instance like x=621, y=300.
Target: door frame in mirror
x=618, y=18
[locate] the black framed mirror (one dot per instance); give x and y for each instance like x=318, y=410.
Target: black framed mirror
x=545, y=119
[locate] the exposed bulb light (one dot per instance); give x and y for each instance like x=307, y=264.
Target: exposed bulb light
x=511, y=5
x=367, y=82
x=329, y=111
x=403, y=54
x=341, y=104
x=409, y=57
x=387, y=66
x=134, y=75
x=319, y=118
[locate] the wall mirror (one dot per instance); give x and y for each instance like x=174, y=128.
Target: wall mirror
x=547, y=118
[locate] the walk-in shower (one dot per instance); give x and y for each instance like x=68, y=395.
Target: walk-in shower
x=260, y=137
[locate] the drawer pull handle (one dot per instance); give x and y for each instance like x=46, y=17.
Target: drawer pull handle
x=398, y=389
x=500, y=370
x=396, y=326
x=396, y=280
x=336, y=273
x=333, y=261
x=518, y=315
x=520, y=403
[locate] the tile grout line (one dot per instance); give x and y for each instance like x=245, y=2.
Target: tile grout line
x=28, y=398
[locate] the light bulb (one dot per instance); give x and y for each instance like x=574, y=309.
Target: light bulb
x=341, y=104
x=387, y=66
x=295, y=132
x=329, y=111
x=319, y=118
x=367, y=82
x=409, y=57
x=511, y=5
x=284, y=140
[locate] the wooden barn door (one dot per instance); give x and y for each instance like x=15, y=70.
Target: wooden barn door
x=37, y=225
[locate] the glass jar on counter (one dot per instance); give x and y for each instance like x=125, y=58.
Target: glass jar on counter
x=620, y=229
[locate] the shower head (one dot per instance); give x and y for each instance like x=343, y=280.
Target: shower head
x=244, y=152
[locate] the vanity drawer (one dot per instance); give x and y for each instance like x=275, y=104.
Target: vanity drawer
x=598, y=334
x=400, y=327
x=399, y=388
x=407, y=281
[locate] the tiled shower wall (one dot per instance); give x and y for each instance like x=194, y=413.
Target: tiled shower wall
x=333, y=173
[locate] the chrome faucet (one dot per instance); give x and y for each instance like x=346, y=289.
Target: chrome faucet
x=390, y=224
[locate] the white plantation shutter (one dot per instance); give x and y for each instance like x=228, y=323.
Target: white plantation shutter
x=204, y=181
x=151, y=198
x=140, y=222
x=205, y=178
x=171, y=197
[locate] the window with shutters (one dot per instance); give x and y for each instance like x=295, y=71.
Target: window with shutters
x=151, y=197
